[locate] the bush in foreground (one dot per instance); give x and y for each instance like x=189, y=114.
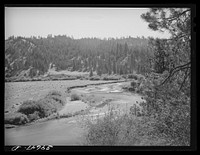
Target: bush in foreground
x=103, y=132
x=44, y=107
x=164, y=121
x=29, y=107
x=34, y=116
x=170, y=108
x=121, y=130
x=16, y=119
x=33, y=110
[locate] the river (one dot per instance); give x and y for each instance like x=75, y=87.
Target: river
x=71, y=131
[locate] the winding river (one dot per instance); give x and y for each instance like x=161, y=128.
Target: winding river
x=71, y=131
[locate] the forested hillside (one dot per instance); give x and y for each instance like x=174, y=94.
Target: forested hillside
x=36, y=55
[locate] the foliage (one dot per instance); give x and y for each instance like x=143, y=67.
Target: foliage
x=137, y=85
x=164, y=119
x=172, y=55
x=115, y=56
x=33, y=116
x=91, y=73
x=168, y=94
x=75, y=97
x=44, y=107
x=95, y=77
x=133, y=84
x=171, y=110
x=28, y=107
x=122, y=129
x=104, y=131
x=132, y=76
x=16, y=119
x=175, y=20
x=54, y=93
x=111, y=77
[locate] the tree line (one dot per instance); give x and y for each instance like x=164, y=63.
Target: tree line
x=108, y=56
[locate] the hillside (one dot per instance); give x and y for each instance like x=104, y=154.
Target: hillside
x=31, y=57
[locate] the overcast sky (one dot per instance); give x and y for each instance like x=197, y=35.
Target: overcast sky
x=77, y=22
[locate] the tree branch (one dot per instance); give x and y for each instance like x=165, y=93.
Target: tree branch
x=176, y=69
x=185, y=77
x=180, y=66
x=169, y=19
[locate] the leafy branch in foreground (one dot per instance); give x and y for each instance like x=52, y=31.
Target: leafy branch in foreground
x=176, y=50
x=176, y=69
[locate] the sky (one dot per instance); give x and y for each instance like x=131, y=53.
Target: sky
x=77, y=22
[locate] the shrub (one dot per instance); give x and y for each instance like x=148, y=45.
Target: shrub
x=121, y=130
x=132, y=76
x=171, y=111
x=47, y=106
x=128, y=87
x=16, y=119
x=34, y=116
x=75, y=97
x=53, y=98
x=111, y=77
x=28, y=107
x=54, y=92
x=134, y=84
x=43, y=107
x=104, y=131
x=95, y=78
